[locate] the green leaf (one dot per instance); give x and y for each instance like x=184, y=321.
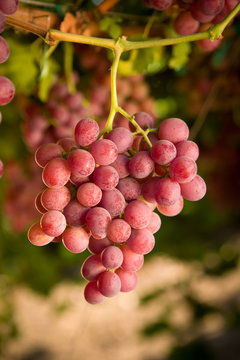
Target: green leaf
x=143, y=59
x=50, y=68
x=110, y=24
x=180, y=55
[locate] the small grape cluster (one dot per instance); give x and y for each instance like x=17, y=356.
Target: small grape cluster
x=7, y=89
x=196, y=12
x=101, y=195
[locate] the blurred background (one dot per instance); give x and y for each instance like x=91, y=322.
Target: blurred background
x=187, y=302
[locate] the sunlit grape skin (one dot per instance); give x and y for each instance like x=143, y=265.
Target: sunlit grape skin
x=56, y=173
x=128, y=279
x=89, y=194
x=37, y=237
x=141, y=165
x=7, y=90
x=4, y=50
x=104, y=151
x=75, y=239
x=112, y=257
x=118, y=230
x=97, y=220
x=182, y=169
x=53, y=223
x=55, y=199
x=174, y=130
x=92, y=294
x=195, y=189
x=113, y=201
x=122, y=138
x=109, y=284
x=141, y=241
x=92, y=268
x=81, y=162
x=86, y=132
x=167, y=192
x=131, y=260
x=8, y=7
x=137, y=214
x=130, y=188
x=106, y=177
x=47, y=152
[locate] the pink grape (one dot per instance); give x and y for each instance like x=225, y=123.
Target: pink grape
x=38, y=204
x=182, y=169
x=141, y=165
x=2, y=22
x=92, y=295
x=130, y=188
x=89, y=194
x=53, y=223
x=7, y=90
x=47, y=152
x=4, y=50
x=79, y=180
x=188, y=148
x=112, y=257
x=149, y=188
x=106, y=177
x=92, y=268
x=37, y=237
x=131, y=260
x=104, y=151
x=8, y=7
x=167, y=192
x=81, y=162
x=122, y=138
x=160, y=4
x=173, y=129
x=208, y=45
x=143, y=119
x=137, y=214
x=155, y=223
x=60, y=114
x=109, y=284
x=118, y=230
x=195, y=189
x=171, y=210
x=56, y=173
x=86, y=132
x=1, y=168
x=230, y=4
x=96, y=246
x=75, y=213
x=210, y=7
x=75, y=239
x=55, y=199
x=113, y=201
x=199, y=15
x=163, y=152
x=128, y=279
x=97, y=220
x=141, y=241
x=67, y=144
x=152, y=136
x=121, y=165
x=185, y=24
x=74, y=101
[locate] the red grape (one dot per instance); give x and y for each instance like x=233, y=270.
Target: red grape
x=86, y=132
x=81, y=162
x=141, y=241
x=121, y=165
x=37, y=237
x=47, y=152
x=188, y=148
x=109, y=284
x=163, y=152
x=137, y=214
x=92, y=294
x=75, y=213
x=89, y=194
x=112, y=257
x=122, y=138
x=131, y=260
x=171, y=210
x=113, y=201
x=55, y=199
x=130, y=188
x=53, y=223
x=7, y=90
x=141, y=165
x=167, y=192
x=56, y=173
x=8, y=7
x=185, y=24
x=104, y=151
x=92, y=268
x=128, y=279
x=155, y=223
x=96, y=246
x=195, y=189
x=97, y=220
x=4, y=50
x=118, y=230
x=173, y=129
x=182, y=169
x=75, y=239
x=106, y=177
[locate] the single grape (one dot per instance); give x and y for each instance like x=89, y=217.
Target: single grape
x=141, y=165
x=195, y=189
x=92, y=294
x=56, y=173
x=53, y=223
x=143, y=145
x=122, y=138
x=131, y=260
x=96, y=246
x=67, y=144
x=182, y=169
x=167, y=192
x=47, y=152
x=112, y=257
x=199, y=15
x=109, y=284
x=154, y=224
x=4, y=50
x=106, y=177
x=92, y=268
x=118, y=230
x=173, y=129
x=75, y=213
x=89, y=194
x=7, y=90
x=104, y=151
x=55, y=199
x=160, y=4
x=188, y=148
x=141, y=241
x=38, y=204
x=81, y=162
x=128, y=279
x=137, y=214
x=210, y=7
x=75, y=239
x=121, y=165
x=97, y=220
x=230, y=4
x=130, y=188
x=113, y=201
x=149, y=189
x=171, y=210
x=86, y=132
x=37, y=237
x=163, y=152
x=185, y=24
x=143, y=119
x=8, y=7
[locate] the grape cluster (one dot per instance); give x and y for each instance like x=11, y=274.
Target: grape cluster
x=101, y=194
x=196, y=15
x=7, y=89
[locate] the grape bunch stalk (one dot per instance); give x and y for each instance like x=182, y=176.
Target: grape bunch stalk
x=101, y=192
x=7, y=89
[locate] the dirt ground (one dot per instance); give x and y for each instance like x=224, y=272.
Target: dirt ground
x=63, y=326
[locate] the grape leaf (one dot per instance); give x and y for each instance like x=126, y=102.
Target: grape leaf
x=180, y=55
x=111, y=24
